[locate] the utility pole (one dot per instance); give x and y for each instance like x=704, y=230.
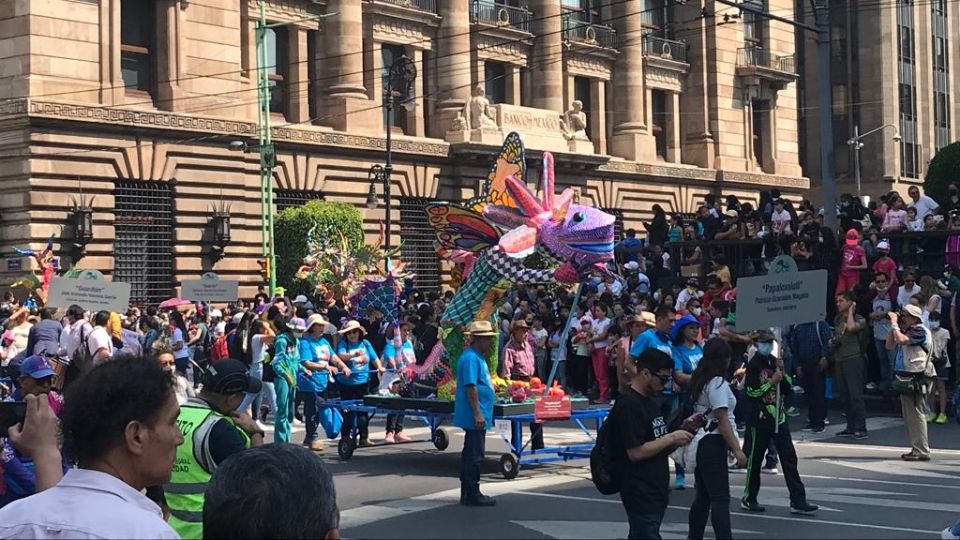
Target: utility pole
x=821, y=12
x=267, y=151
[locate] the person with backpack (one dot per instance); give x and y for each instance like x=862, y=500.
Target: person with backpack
x=712, y=396
x=849, y=332
x=640, y=442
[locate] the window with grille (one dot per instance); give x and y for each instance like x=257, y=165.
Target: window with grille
x=143, y=240
x=287, y=198
x=416, y=248
x=618, y=224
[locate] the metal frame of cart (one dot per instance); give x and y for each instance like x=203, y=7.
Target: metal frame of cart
x=520, y=454
x=510, y=462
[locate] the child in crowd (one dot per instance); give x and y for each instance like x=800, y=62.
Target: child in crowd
x=556, y=353
x=913, y=224
x=937, y=400
x=853, y=259
x=885, y=264
x=583, y=348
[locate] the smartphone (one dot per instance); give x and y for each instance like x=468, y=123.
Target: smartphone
x=11, y=414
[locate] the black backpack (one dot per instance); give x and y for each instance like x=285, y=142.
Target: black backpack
x=603, y=468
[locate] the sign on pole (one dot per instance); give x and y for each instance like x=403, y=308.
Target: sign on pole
x=783, y=297
x=90, y=291
x=210, y=288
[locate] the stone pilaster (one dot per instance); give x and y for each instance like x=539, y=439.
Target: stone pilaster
x=347, y=104
x=673, y=128
x=453, y=63
x=298, y=84
x=548, y=55
x=631, y=138
x=597, y=112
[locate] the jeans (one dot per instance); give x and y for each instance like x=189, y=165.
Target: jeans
x=713, y=489
x=394, y=423
x=347, y=393
x=644, y=526
x=268, y=395
x=474, y=443
x=760, y=438
x=886, y=359
x=848, y=376
x=256, y=371
x=814, y=384
x=283, y=419
x=311, y=407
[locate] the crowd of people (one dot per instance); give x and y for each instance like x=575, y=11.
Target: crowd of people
x=174, y=402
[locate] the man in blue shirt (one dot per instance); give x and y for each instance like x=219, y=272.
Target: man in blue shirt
x=629, y=248
x=473, y=410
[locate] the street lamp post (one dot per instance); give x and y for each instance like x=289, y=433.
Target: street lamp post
x=855, y=144
x=402, y=73
x=266, y=149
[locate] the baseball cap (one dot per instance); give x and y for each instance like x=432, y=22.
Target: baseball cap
x=853, y=237
x=36, y=367
x=300, y=299
x=230, y=376
x=216, y=314
x=883, y=245
x=908, y=309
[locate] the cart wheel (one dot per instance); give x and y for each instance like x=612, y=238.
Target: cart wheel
x=345, y=448
x=509, y=467
x=440, y=439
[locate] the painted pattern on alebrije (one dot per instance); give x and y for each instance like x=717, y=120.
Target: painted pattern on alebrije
x=464, y=305
x=379, y=294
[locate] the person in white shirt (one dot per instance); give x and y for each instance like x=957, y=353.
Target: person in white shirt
x=913, y=222
x=924, y=204
x=781, y=219
x=908, y=290
x=99, y=341
x=121, y=427
x=75, y=330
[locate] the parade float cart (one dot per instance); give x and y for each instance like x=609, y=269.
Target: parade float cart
x=510, y=421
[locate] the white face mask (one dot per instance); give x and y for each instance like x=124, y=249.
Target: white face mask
x=697, y=311
x=933, y=325
x=765, y=348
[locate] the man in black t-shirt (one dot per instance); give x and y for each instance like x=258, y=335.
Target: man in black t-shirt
x=642, y=441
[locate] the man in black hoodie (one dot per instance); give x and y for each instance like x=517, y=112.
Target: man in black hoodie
x=768, y=421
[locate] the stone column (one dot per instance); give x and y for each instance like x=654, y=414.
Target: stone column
x=415, y=125
x=699, y=147
x=453, y=63
x=513, y=84
x=598, y=115
x=548, y=55
x=298, y=76
x=631, y=137
x=673, y=127
x=168, y=57
x=346, y=95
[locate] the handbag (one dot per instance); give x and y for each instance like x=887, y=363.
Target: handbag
x=911, y=382
x=686, y=456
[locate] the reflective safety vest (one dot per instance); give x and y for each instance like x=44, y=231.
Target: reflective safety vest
x=193, y=468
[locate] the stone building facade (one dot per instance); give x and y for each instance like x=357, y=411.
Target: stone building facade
x=130, y=106
x=891, y=68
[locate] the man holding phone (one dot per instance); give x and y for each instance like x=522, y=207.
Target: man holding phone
x=19, y=471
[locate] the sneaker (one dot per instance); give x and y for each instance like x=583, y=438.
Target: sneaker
x=846, y=433
x=389, y=439
x=316, y=445
x=910, y=456
x=737, y=470
x=872, y=386
x=681, y=483
x=941, y=419
x=826, y=421
x=400, y=437
x=860, y=435
x=479, y=500
x=931, y=417
x=804, y=508
x=793, y=411
x=769, y=469
x=751, y=506
x=818, y=429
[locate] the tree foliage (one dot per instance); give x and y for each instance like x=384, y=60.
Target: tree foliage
x=317, y=219
x=944, y=168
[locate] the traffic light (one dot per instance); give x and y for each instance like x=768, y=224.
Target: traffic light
x=264, y=269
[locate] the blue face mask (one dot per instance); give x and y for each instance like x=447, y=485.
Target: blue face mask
x=765, y=348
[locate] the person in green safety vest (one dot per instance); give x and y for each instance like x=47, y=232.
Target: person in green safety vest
x=213, y=430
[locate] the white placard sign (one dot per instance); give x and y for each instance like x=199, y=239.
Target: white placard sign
x=502, y=428
x=91, y=294
x=782, y=297
x=210, y=288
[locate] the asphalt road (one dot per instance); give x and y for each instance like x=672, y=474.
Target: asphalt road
x=863, y=488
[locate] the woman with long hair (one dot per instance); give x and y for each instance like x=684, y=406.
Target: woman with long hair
x=710, y=391
x=178, y=342
x=257, y=337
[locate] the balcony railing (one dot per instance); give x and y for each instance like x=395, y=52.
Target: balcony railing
x=429, y=6
x=599, y=35
x=501, y=15
x=671, y=49
x=764, y=58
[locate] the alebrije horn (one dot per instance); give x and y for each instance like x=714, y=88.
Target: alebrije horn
x=528, y=204
x=547, y=184
x=504, y=216
x=563, y=204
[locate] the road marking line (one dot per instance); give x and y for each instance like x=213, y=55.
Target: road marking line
x=874, y=481
x=751, y=515
x=852, y=446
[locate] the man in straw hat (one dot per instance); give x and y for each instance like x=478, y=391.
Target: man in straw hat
x=473, y=410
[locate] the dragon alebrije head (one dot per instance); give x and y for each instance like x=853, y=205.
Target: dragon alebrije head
x=563, y=230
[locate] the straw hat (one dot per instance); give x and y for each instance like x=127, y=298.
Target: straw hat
x=649, y=318
x=480, y=329
x=317, y=318
x=351, y=326
x=518, y=325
